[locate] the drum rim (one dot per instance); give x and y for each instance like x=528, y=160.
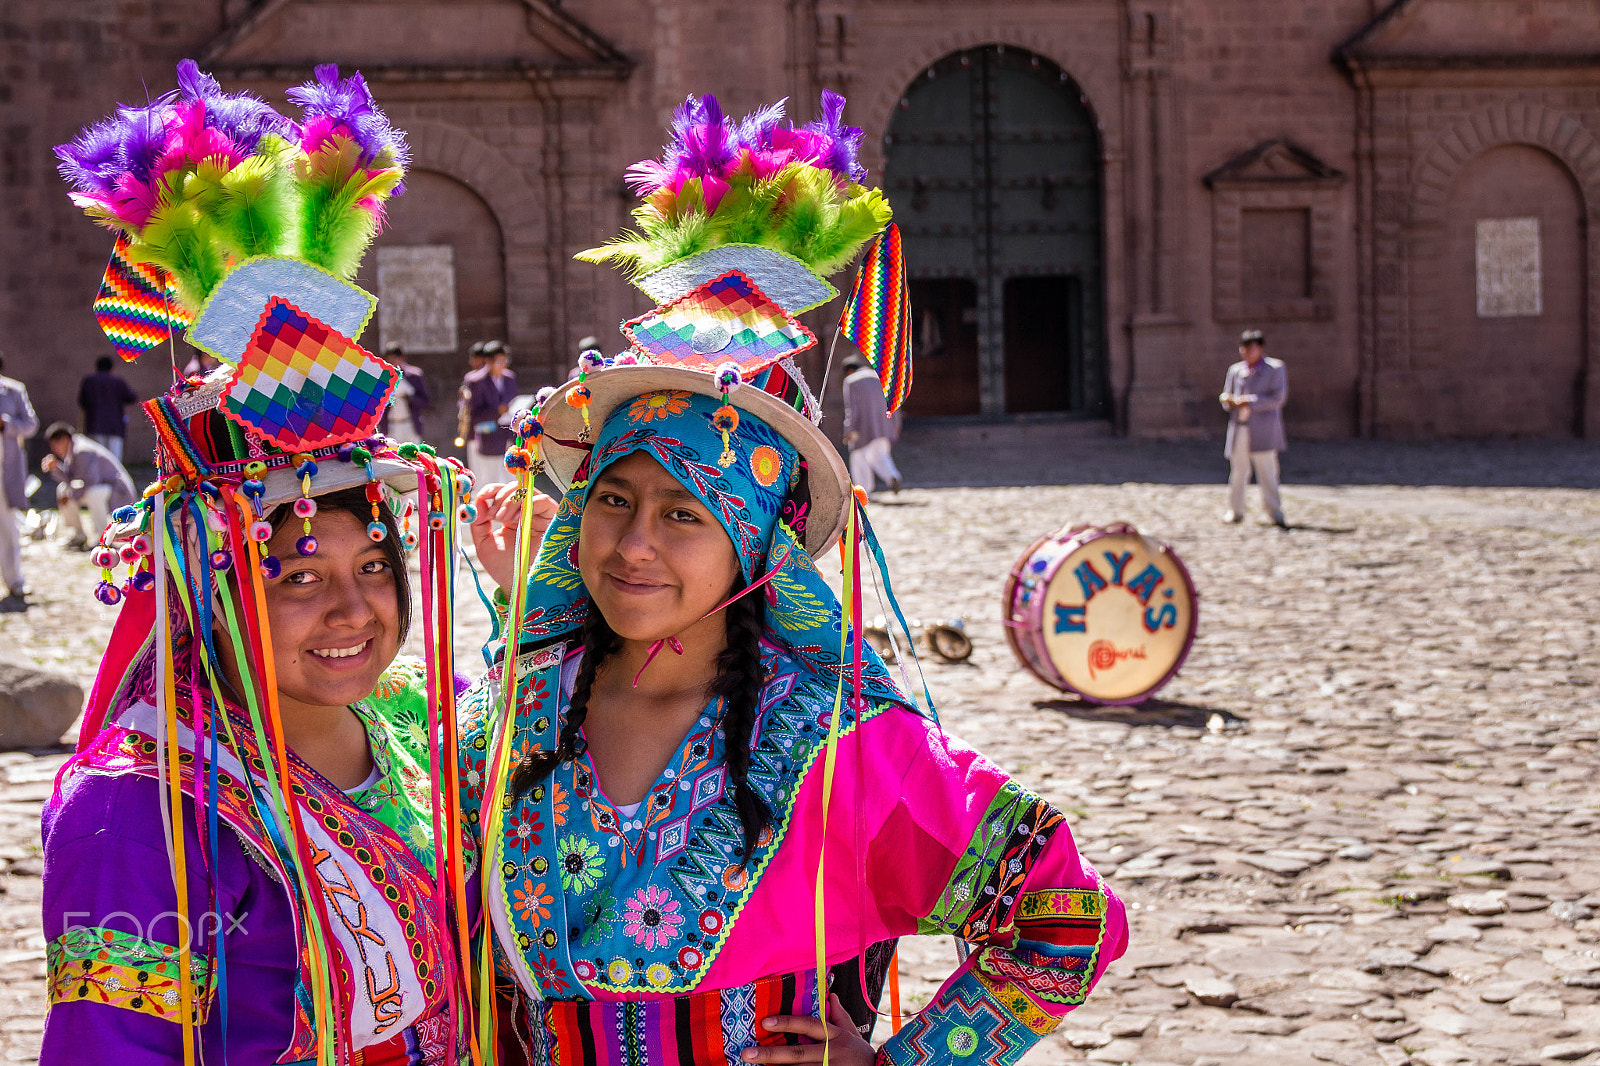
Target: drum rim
x=1110, y=529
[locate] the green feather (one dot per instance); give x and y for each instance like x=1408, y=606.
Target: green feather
x=178, y=238
x=335, y=228
x=258, y=205
x=855, y=223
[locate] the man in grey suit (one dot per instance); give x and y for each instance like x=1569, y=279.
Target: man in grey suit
x=17, y=424
x=1253, y=395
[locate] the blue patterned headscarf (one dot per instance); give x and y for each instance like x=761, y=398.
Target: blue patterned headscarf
x=760, y=499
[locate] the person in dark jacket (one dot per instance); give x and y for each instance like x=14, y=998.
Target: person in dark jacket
x=409, y=402
x=102, y=397
x=490, y=392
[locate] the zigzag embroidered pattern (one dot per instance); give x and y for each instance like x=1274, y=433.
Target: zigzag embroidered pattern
x=877, y=317
x=134, y=307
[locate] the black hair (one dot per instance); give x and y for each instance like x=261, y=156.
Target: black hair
x=103, y=363
x=738, y=682
x=59, y=429
x=353, y=501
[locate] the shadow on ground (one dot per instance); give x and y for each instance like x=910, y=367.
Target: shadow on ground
x=1152, y=712
x=946, y=452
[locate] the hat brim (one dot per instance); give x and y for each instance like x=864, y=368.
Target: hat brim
x=283, y=487
x=613, y=386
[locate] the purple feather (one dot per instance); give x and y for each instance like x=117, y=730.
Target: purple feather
x=708, y=145
x=846, y=146
x=349, y=102
x=754, y=131
x=244, y=118
x=129, y=141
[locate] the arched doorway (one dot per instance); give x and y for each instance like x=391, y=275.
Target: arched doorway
x=1511, y=327
x=438, y=212
x=992, y=161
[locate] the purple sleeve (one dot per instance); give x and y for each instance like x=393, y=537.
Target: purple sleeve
x=107, y=881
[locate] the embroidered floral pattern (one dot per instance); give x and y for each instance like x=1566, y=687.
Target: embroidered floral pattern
x=659, y=405
x=653, y=918
x=532, y=901
x=525, y=825
x=580, y=862
x=765, y=465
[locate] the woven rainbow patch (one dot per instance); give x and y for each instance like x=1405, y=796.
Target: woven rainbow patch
x=877, y=317
x=726, y=319
x=134, y=306
x=303, y=385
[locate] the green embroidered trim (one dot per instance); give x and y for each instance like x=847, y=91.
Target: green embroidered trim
x=117, y=969
x=988, y=876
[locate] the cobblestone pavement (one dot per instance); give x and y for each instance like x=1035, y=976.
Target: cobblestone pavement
x=1358, y=828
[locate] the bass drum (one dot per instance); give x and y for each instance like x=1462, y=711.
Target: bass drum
x=1104, y=612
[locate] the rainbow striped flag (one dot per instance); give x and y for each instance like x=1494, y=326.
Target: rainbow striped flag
x=877, y=317
x=135, y=306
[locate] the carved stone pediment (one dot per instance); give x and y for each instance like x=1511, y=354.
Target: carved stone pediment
x=1276, y=162
x=1434, y=34
x=447, y=40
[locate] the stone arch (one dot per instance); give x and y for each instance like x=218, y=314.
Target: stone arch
x=1561, y=134
x=885, y=96
x=516, y=206
x=1571, y=145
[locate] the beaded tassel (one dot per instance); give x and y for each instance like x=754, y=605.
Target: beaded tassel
x=305, y=506
x=725, y=419
x=579, y=395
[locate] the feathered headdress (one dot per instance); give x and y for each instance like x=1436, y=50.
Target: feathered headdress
x=200, y=179
x=756, y=182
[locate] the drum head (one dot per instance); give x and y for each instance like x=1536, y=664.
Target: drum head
x=1119, y=617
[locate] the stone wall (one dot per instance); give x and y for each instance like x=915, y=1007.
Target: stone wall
x=1207, y=111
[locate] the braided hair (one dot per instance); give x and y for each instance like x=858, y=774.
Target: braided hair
x=738, y=681
x=599, y=642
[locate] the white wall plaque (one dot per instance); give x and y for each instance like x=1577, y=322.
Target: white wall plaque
x=417, y=298
x=1508, y=268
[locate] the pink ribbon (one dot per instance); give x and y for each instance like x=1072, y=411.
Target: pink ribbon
x=677, y=645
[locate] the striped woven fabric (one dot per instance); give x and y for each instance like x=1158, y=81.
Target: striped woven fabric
x=134, y=307
x=699, y=1029
x=877, y=317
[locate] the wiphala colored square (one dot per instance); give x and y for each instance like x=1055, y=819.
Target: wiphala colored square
x=726, y=319
x=301, y=385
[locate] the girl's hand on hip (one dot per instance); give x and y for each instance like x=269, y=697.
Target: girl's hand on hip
x=846, y=1048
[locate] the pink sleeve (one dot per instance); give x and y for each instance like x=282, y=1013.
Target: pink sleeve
x=968, y=852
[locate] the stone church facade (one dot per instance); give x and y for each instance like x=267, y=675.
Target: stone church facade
x=1097, y=195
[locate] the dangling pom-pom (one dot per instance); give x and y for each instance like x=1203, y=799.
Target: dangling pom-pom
x=467, y=513
x=104, y=558
x=408, y=540
x=107, y=593
x=725, y=419
x=144, y=581
x=543, y=395
x=523, y=423
x=437, y=520
x=306, y=545
x=260, y=532
x=590, y=360
x=376, y=531
x=727, y=378
x=221, y=559
x=626, y=359
x=128, y=555
x=579, y=396
x=305, y=507
x=270, y=567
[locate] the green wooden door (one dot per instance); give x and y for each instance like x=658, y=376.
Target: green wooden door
x=993, y=168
